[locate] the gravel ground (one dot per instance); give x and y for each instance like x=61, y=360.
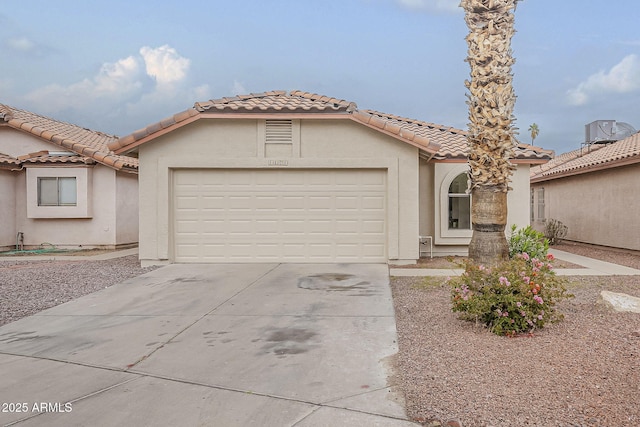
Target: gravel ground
x=27, y=287
x=584, y=371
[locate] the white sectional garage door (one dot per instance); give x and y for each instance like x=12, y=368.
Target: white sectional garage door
x=266, y=215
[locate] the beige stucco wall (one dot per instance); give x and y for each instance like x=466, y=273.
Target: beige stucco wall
x=599, y=207
x=7, y=210
x=435, y=180
x=16, y=143
x=97, y=231
x=111, y=202
x=239, y=143
x=126, y=208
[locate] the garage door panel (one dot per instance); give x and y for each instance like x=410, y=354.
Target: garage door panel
x=319, y=203
x=373, y=202
x=266, y=227
x=293, y=227
x=375, y=227
x=279, y=215
x=350, y=203
x=215, y=203
x=188, y=227
x=347, y=227
x=373, y=250
x=212, y=227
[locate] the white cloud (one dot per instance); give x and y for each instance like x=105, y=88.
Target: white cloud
x=118, y=77
x=124, y=95
x=432, y=5
x=201, y=93
x=21, y=44
x=238, y=88
x=164, y=64
x=623, y=77
x=114, y=81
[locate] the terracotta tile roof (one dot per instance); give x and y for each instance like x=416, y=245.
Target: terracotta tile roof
x=47, y=157
x=441, y=142
x=85, y=142
x=8, y=162
x=453, y=141
x=277, y=101
x=449, y=138
x=590, y=158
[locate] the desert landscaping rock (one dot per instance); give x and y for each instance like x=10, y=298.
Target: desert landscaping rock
x=28, y=287
x=621, y=302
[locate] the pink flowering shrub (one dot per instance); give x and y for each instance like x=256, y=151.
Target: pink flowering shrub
x=514, y=297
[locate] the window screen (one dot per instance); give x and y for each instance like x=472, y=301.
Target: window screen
x=57, y=191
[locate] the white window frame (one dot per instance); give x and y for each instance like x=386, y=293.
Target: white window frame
x=465, y=195
x=532, y=202
x=540, y=209
x=84, y=184
x=60, y=188
x=445, y=174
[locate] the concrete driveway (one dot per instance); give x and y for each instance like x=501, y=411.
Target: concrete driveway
x=219, y=345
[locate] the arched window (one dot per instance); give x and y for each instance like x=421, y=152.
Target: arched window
x=459, y=203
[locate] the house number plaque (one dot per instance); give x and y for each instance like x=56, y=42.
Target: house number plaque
x=278, y=163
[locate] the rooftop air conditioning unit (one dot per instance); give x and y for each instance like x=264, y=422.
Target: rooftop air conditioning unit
x=603, y=131
x=600, y=131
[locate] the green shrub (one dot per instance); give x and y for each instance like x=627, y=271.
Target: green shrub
x=514, y=297
x=529, y=241
x=555, y=231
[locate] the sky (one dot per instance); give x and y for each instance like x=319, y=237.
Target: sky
x=117, y=66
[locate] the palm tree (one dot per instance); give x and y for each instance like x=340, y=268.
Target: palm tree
x=534, y=131
x=491, y=134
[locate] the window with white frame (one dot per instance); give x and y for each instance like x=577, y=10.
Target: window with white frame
x=57, y=191
x=540, y=198
x=459, y=203
x=532, y=206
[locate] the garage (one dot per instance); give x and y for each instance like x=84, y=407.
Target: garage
x=279, y=215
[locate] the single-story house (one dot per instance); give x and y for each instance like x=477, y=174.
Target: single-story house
x=60, y=185
x=593, y=191
x=300, y=177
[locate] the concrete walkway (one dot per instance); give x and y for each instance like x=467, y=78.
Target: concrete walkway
x=593, y=267
x=210, y=345
x=58, y=257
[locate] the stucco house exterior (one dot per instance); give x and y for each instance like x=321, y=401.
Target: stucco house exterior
x=60, y=185
x=300, y=177
x=593, y=191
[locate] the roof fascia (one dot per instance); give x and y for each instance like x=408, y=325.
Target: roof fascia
x=529, y=161
x=130, y=147
x=432, y=148
x=515, y=162
x=596, y=168
x=267, y=116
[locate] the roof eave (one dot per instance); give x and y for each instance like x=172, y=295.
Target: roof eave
x=535, y=161
x=79, y=148
x=395, y=131
x=594, y=168
x=130, y=143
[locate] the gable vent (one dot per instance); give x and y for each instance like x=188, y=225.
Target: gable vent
x=279, y=131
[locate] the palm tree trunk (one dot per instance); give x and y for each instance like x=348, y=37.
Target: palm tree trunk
x=489, y=217
x=491, y=133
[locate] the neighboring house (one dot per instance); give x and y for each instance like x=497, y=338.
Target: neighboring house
x=594, y=192
x=61, y=185
x=300, y=177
